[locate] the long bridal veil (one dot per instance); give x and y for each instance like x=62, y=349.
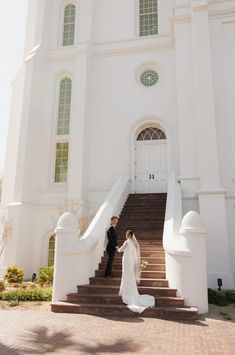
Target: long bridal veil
x=136, y=256
x=130, y=275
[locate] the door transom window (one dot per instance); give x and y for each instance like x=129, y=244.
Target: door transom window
x=150, y=134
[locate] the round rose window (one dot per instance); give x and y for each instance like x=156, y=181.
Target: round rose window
x=149, y=78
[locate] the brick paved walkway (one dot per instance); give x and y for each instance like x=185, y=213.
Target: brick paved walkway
x=42, y=332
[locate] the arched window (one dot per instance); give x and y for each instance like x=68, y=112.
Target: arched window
x=61, y=163
x=62, y=137
x=64, y=106
x=51, y=250
x=69, y=25
x=150, y=134
x=148, y=13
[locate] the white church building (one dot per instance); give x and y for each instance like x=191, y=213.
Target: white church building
x=143, y=89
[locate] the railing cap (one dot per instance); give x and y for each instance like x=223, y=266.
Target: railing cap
x=67, y=223
x=192, y=224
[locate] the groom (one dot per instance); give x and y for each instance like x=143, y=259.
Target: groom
x=111, y=246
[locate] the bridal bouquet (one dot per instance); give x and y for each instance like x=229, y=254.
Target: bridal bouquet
x=143, y=264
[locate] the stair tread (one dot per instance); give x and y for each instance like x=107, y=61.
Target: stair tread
x=115, y=296
x=139, y=287
x=118, y=306
x=147, y=266
x=119, y=278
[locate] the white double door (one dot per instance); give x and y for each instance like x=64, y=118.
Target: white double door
x=151, y=166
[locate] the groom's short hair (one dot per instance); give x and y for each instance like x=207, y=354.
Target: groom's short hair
x=114, y=217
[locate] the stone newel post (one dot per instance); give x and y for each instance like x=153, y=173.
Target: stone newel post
x=64, y=273
x=194, y=270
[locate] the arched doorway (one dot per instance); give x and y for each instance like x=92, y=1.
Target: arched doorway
x=151, y=170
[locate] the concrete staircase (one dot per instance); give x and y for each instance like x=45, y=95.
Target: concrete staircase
x=144, y=213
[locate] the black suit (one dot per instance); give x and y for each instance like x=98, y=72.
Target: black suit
x=111, y=248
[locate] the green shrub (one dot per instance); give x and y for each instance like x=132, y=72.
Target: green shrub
x=28, y=294
x=45, y=275
x=217, y=297
x=230, y=296
x=14, y=274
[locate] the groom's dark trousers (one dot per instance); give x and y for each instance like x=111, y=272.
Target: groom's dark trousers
x=111, y=248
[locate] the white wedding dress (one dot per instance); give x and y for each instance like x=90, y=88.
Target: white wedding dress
x=130, y=275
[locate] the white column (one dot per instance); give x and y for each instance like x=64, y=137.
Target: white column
x=79, y=135
x=185, y=98
x=211, y=195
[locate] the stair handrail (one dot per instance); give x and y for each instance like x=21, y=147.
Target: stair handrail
x=96, y=230
x=172, y=242
x=76, y=260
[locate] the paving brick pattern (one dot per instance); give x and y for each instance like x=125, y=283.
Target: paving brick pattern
x=43, y=332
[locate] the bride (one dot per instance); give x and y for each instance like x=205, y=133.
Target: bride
x=131, y=274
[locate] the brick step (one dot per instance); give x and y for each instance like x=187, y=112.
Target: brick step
x=144, y=274
x=146, y=217
x=150, y=242
x=118, y=267
x=152, y=249
x=117, y=281
x=156, y=197
x=148, y=205
x=152, y=210
x=141, y=219
x=140, y=215
x=179, y=313
x=151, y=259
x=114, y=290
x=146, y=198
x=143, y=253
x=148, y=194
x=144, y=206
x=141, y=226
x=156, y=244
x=149, y=234
x=155, y=226
x=143, y=235
x=114, y=299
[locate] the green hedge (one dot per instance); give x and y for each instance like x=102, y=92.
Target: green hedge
x=221, y=298
x=28, y=294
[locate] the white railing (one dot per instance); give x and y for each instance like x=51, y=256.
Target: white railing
x=76, y=260
x=185, y=249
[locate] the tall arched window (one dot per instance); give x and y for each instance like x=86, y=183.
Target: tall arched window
x=148, y=12
x=64, y=106
x=51, y=251
x=62, y=137
x=69, y=25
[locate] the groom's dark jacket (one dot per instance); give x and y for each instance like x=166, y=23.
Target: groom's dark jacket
x=112, y=238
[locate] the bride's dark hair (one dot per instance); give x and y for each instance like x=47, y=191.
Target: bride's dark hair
x=130, y=232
